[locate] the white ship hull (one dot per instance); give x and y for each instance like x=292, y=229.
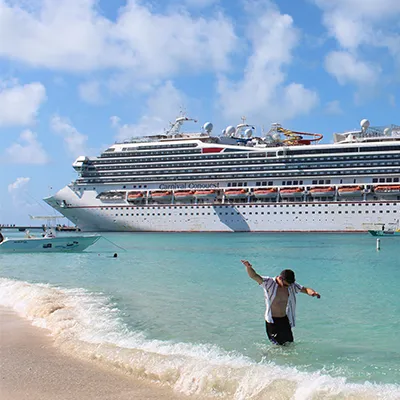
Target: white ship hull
x=274, y=183
x=90, y=214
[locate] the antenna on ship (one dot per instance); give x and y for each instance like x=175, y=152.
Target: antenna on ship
x=244, y=130
x=176, y=126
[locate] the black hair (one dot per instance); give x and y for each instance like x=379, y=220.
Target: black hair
x=288, y=276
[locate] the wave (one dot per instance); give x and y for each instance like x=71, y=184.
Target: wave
x=89, y=325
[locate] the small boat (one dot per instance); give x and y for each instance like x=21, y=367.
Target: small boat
x=236, y=193
x=47, y=244
x=350, y=191
x=205, y=194
x=184, y=195
x=322, y=191
x=161, y=195
x=387, y=189
x=266, y=193
x=134, y=196
x=291, y=192
x=392, y=229
x=385, y=233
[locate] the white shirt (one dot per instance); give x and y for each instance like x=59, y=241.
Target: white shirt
x=270, y=287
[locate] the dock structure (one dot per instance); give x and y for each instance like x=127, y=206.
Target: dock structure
x=51, y=223
x=23, y=228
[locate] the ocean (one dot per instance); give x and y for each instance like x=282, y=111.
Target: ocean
x=179, y=309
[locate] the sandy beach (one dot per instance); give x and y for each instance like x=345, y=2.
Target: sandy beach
x=32, y=368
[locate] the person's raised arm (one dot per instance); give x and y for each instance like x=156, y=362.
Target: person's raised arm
x=251, y=272
x=310, y=292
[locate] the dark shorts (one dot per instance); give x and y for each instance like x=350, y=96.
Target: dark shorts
x=280, y=331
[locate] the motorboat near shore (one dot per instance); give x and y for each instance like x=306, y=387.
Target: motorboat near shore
x=391, y=229
x=47, y=244
x=385, y=233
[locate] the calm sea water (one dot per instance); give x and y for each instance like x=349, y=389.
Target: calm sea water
x=180, y=309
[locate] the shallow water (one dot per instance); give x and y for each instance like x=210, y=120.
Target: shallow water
x=180, y=309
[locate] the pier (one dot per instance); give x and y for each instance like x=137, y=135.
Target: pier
x=23, y=228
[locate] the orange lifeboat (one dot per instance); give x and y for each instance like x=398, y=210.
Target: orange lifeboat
x=350, y=191
x=236, y=193
x=134, y=196
x=266, y=193
x=387, y=189
x=291, y=192
x=322, y=191
x=161, y=196
x=184, y=195
x=205, y=194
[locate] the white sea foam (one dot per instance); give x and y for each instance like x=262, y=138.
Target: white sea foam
x=89, y=325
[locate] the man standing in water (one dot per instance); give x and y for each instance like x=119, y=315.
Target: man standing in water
x=280, y=300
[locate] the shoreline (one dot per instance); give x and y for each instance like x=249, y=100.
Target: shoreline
x=31, y=367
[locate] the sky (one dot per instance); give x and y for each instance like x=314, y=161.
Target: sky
x=78, y=75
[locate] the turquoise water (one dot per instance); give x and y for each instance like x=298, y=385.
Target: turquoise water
x=180, y=309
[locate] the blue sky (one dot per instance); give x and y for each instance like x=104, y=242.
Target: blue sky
x=77, y=75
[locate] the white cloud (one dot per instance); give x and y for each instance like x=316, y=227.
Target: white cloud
x=27, y=151
x=90, y=92
x=353, y=22
x=333, y=107
x=74, y=141
x=263, y=94
x=358, y=23
x=19, y=104
x=18, y=184
x=162, y=106
x=73, y=35
x=347, y=68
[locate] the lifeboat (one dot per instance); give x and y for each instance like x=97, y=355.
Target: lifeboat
x=291, y=192
x=112, y=195
x=161, y=196
x=184, y=195
x=265, y=193
x=350, y=191
x=387, y=189
x=205, y=194
x=322, y=192
x=135, y=196
x=236, y=193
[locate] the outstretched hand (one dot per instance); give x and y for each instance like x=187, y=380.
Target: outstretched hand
x=246, y=263
x=316, y=294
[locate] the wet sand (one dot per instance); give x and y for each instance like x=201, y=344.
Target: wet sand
x=32, y=368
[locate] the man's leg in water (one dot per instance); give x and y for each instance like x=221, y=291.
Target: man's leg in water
x=280, y=331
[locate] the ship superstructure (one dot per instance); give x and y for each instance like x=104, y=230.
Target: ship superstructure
x=281, y=181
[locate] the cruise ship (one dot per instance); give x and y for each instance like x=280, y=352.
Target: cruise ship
x=278, y=181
